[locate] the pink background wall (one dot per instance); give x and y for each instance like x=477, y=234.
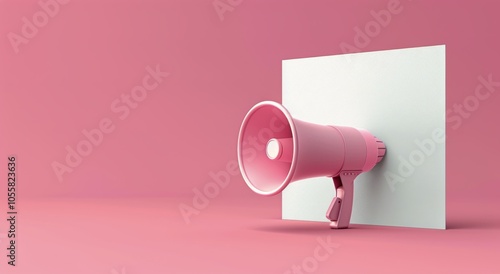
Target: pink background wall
x=64, y=76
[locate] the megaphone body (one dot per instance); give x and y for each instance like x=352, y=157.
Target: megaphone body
x=294, y=150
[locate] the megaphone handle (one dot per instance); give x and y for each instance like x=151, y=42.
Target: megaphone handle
x=339, y=212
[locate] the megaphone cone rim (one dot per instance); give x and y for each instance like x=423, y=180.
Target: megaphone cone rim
x=293, y=164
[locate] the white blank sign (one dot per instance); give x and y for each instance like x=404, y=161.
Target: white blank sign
x=399, y=96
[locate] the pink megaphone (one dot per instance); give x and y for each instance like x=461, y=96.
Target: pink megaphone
x=292, y=150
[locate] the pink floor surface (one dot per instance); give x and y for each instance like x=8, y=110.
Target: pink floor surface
x=133, y=236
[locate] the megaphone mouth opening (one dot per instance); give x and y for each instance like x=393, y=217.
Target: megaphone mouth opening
x=266, y=164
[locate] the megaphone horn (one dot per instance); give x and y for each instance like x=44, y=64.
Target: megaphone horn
x=296, y=150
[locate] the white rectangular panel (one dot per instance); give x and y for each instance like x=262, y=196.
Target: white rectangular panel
x=399, y=96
